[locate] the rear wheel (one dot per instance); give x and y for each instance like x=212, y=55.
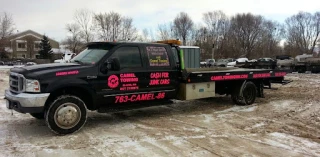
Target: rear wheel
x=67, y=114
x=245, y=95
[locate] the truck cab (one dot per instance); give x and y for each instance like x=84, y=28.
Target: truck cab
x=104, y=75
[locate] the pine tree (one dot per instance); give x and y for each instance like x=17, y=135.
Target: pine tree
x=3, y=54
x=45, y=48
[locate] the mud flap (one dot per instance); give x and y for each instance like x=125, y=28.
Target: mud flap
x=239, y=93
x=260, y=90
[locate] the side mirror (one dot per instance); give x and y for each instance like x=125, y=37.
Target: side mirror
x=104, y=68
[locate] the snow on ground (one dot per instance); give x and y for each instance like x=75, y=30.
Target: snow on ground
x=285, y=123
x=6, y=67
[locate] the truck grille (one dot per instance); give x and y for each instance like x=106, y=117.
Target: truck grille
x=16, y=82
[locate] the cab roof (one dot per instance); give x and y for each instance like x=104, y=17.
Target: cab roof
x=122, y=43
x=162, y=42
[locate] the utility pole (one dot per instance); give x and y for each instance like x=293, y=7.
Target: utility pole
x=212, y=51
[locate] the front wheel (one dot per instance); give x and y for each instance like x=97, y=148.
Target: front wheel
x=67, y=114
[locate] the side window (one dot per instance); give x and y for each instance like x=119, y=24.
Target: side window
x=129, y=57
x=157, y=56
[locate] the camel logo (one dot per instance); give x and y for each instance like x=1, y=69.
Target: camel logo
x=113, y=81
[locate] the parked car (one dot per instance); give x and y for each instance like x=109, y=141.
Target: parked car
x=241, y=60
x=30, y=63
x=10, y=63
x=266, y=60
x=210, y=62
x=231, y=59
x=221, y=63
x=1, y=63
x=203, y=64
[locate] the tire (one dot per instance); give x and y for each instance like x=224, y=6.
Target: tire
x=37, y=115
x=247, y=96
x=72, y=111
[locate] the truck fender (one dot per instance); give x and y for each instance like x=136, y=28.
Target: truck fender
x=68, y=83
x=58, y=84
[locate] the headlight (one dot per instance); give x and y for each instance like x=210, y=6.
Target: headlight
x=32, y=86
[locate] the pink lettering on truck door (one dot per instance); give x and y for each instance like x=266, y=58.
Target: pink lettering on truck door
x=139, y=97
x=159, y=78
x=126, y=81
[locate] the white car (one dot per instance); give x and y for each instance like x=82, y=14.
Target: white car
x=30, y=63
x=203, y=64
x=232, y=64
x=65, y=58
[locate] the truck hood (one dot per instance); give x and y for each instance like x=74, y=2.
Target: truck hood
x=35, y=71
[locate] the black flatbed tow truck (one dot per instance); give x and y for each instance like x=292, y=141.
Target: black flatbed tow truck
x=124, y=75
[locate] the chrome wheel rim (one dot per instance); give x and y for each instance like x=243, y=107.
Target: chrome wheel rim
x=67, y=115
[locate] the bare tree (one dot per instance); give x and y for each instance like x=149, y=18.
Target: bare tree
x=246, y=30
x=73, y=41
x=103, y=25
x=112, y=26
x=115, y=23
x=128, y=31
x=201, y=40
x=83, y=18
x=164, y=31
x=145, y=36
x=182, y=26
x=6, y=25
x=303, y=31
x=217, y=24
x=316, y=22
x=272, y=33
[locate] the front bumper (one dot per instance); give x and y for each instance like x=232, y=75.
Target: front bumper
x=25, y=102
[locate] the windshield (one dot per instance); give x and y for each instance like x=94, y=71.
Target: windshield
x=90, y=56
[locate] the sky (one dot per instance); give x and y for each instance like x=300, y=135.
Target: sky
x=51, y=16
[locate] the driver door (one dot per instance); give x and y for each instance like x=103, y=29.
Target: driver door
x=115, y=85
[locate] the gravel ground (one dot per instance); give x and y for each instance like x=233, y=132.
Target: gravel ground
x=285, y=123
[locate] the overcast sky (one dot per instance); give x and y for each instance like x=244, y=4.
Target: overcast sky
x=51, y=16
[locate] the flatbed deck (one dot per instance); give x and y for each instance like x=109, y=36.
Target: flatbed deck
x=222, y=74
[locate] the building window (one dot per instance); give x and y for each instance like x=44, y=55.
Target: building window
x=21, y=45
x=23, y=56
x=37, y=45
